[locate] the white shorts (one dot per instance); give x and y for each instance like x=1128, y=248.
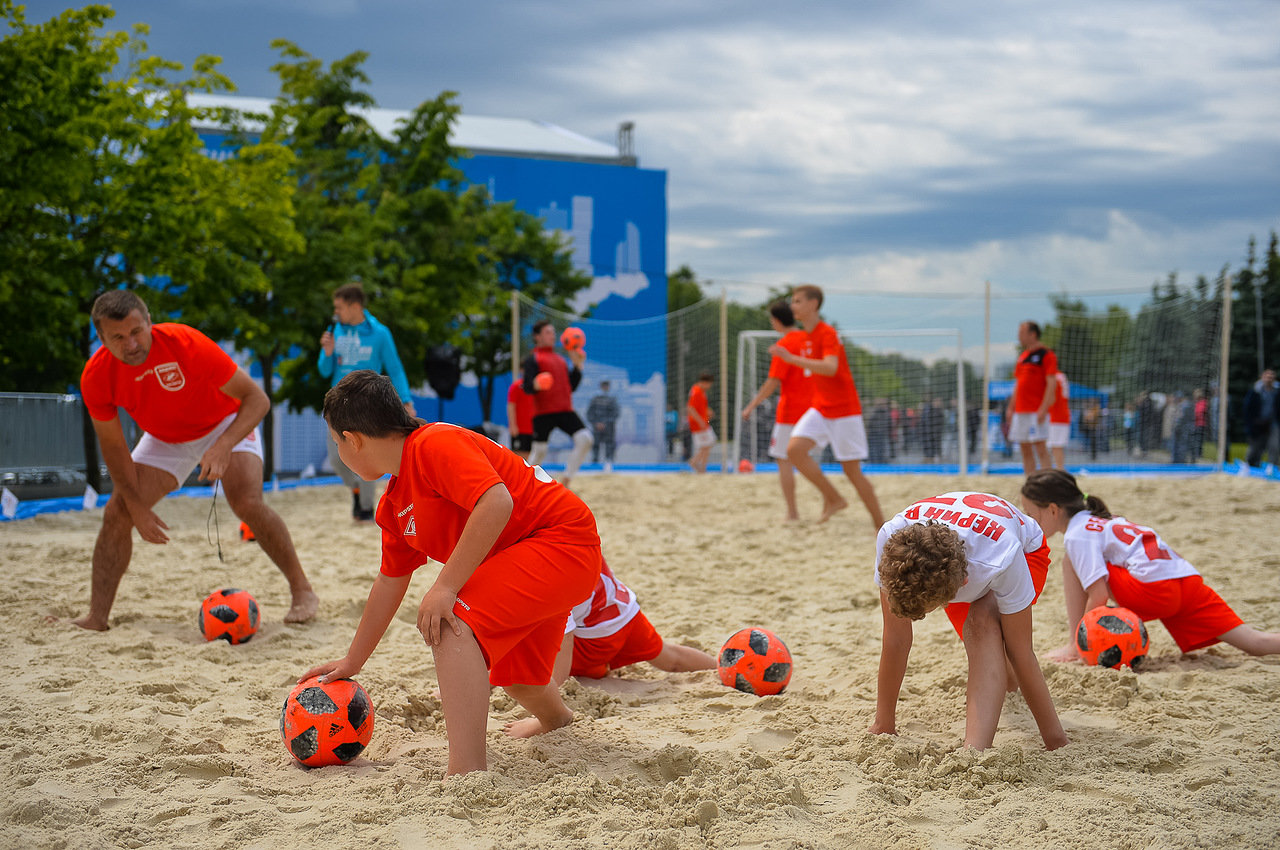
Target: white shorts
x=778, y=440
x=703, y=439
x=846, y=434
x=178, y=459
x=1059, y=434
x=1024, y=428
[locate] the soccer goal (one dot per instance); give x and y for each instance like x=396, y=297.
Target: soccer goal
x=917, y=393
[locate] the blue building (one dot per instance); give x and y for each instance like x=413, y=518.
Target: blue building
x=613, y=212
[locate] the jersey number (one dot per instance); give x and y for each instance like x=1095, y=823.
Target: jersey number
x=1126, y=533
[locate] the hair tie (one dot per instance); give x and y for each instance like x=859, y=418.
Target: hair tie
x=1084, y=496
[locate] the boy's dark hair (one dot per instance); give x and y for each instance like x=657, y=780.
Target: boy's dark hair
x=1034, y=327
x=365, y=402
x=1058, y=487
x=781, y=311
x=115, y=305
x=352, y=293
x=539, y=325
x=922, y=566
x=706, y=376
x=808, y=290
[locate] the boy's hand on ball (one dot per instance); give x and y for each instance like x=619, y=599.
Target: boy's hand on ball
x=330, y=671
x=437, y=607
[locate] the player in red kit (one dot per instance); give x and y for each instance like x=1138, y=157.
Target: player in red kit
x=834, y=417
x=195, y=407
x=553, y=405
x=518, y=549
x=1034, y=391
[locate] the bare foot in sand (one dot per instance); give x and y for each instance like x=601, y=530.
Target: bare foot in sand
x=304, y=607
x=86, y=622
x=1063, y=655
x=531, y=726
x=830, y=509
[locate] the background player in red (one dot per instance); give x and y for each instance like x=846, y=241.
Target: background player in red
x=520, y=418
x=1060, y=421
x=987, y=563
x=608, y=631
x=518, y=549
x=1108, y=557
x=835, y=415
x=195, y=406
x=796, y=393
x=553, y=406
x=1034, y=390
x=699, y=415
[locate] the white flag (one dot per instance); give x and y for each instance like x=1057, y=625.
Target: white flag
x=8, y=504
x=90, y=497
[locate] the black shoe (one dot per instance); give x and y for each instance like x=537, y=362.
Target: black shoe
x=355, y=503
x=363, y=516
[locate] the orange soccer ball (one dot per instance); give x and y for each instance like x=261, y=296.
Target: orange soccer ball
x=543, y=381
x=229, y=614
x=1109, y=637
x=324, y=723
x=573, y=338
x=755, y=661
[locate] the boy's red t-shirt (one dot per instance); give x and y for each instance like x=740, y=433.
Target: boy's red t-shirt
x=834, y=396
x=698, y=401
x=524, y=409
x=1060, y=410
x=559, y=398
x=174, y=395
x=795, y=393
x=444, y=471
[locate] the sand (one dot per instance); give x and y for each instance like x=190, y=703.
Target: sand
x=147, y=736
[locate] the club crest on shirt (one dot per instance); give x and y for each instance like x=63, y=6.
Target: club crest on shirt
x=410, y=528
x=170, y=376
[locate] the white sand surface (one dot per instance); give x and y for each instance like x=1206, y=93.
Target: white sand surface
x=147, y=736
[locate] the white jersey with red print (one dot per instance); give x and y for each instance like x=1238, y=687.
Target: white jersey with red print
x=997, y=539
x=1092, y=543
x=609, y=609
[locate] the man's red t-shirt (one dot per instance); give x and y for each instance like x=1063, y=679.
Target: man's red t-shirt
x=795, y=395
x=698, y=401
x=524, y=409
x=174, y=395
x=834, y=396
x=559, y=398
x=1036, y=367
x=444, y=471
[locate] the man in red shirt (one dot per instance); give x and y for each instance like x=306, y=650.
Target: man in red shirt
x=699, y=415
x=835, y=415
x=795, y=394
x=553, y=403
x=195, y=406
x=1034, y=391
x=518, y=552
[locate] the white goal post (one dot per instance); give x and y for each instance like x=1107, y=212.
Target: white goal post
x=909, y=410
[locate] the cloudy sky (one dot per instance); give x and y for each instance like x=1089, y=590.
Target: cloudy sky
x=917, y=146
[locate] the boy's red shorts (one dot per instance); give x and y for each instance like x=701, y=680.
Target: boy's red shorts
x=517, y=601
x=637, y=641
x=1037, y=561
x=1191, y=610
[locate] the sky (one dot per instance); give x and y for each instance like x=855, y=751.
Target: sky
x=915, y=148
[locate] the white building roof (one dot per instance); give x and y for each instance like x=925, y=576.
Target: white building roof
x=475, y=133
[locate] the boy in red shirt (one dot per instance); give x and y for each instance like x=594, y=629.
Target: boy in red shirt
x=553, y=403
x=195, y=406
x=1060, y=421
x=835, y=415
x=518, y=549
x=520, y=419
x=795, y=394
x=700, y=414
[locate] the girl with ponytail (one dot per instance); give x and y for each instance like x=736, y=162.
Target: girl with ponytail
x=1108, y=557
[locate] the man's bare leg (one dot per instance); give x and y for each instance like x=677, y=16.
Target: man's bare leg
x=798, y=453
x=853, y=471
x=243, y=487
x=114, y=547
x=787, y=480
